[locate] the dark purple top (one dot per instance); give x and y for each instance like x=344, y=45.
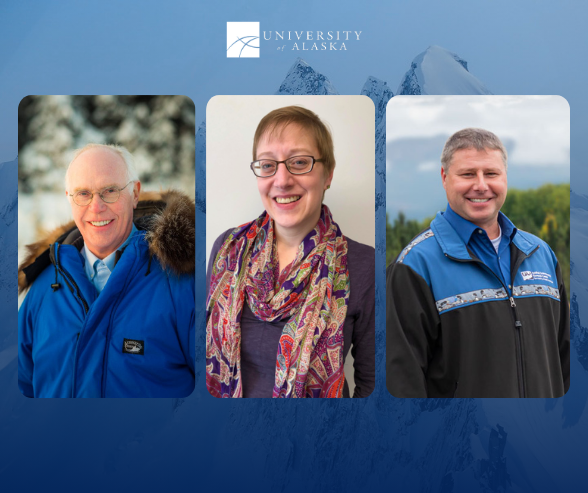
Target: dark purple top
x=260, y=340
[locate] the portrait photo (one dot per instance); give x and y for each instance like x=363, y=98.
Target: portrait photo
x=290, y=233
x=478, y=246
x=106, y=246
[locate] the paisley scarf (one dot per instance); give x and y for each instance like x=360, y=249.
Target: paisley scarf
x=312, y=293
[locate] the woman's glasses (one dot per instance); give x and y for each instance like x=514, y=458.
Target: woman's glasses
x=297, y=165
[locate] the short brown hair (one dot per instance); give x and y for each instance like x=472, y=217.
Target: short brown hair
x=277, y=120
x=468, y=138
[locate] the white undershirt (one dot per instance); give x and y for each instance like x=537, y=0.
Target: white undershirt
x=496, y=241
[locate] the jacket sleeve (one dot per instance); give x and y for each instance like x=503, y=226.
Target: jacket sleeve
x=25, y=349
x=412, y=329
x=363, y=347
x=564, y=331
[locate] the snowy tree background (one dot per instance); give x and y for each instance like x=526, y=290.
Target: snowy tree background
x=158, y=130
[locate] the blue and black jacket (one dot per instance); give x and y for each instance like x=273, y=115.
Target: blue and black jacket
x=135, y=338
x=455, y=329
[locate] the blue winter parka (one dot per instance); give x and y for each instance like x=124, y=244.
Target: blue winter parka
x=134, y=339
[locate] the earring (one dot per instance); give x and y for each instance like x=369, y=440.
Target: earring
x=328, y=186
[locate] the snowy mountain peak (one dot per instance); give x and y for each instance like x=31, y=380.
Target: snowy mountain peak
x=439, y=71
x=303, y=79
x=379, y=92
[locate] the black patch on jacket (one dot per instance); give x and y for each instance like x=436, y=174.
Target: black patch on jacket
x=133, y=346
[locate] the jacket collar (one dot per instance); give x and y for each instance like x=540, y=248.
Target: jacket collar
x=453, y=245
x=168, y=218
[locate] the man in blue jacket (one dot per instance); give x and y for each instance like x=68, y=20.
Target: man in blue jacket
x=110, y=306
x=476, y=307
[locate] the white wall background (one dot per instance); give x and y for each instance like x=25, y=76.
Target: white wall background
x=231, y=190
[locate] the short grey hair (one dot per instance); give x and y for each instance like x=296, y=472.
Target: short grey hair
x=123, y=152
x=468, y=138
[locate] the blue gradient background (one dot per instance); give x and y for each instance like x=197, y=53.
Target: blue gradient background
x=199, y=443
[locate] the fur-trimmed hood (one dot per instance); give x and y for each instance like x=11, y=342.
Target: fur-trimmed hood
x=168, y=217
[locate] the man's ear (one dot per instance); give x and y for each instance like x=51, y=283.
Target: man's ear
x=136, y=193
x=443, y=176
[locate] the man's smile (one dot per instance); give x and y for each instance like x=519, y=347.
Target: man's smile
x=101, y=224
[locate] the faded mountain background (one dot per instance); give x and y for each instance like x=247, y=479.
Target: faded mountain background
x=415, y=445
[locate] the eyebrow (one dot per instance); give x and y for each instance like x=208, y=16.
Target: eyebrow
x=298, y=151
x=467, y=170
x=79, y=189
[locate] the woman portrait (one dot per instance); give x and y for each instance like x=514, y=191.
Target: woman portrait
x=290, y=297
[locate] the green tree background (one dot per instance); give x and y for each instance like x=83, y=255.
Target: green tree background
x=543, y=211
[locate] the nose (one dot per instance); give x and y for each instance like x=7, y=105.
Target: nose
x=480, y=183
x=97, y=204
x=283, y=178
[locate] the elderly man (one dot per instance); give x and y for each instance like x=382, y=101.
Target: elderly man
x=110, y=306
x=476, y=307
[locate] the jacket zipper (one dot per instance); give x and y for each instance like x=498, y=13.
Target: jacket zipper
x=76, y=291
x=517, y=323
x=519, y=349
x=109, y=336
x=71, y=281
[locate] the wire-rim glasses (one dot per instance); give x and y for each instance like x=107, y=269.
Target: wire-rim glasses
x=297, y=165
x=109, y=195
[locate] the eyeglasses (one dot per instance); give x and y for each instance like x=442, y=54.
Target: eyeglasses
x=109, y=195
x=297, y=165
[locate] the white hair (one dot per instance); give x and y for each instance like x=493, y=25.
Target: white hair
x=123, y=152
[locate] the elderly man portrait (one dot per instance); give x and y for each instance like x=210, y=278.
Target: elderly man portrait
x=109, y=310
x=474, y=306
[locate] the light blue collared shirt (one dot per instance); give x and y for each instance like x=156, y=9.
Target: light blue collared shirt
x=98, y=271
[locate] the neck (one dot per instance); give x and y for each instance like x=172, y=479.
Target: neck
x=285, y=239
x=287, y=243
x=288, y=239
x=292, y=237
x=101, y=254
x=493, y=231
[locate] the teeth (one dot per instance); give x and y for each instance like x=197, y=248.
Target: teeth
x=287, y=200
x=479, y=200
x=100, y=223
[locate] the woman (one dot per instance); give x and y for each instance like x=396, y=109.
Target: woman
x=288, y=293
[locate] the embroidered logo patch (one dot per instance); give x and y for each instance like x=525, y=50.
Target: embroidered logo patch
x=527, y=275
x=132, y=346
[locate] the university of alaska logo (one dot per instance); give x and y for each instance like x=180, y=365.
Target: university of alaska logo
x=243, y=40
x=527, y=275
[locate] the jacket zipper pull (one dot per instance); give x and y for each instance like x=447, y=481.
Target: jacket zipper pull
x=518, y=323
